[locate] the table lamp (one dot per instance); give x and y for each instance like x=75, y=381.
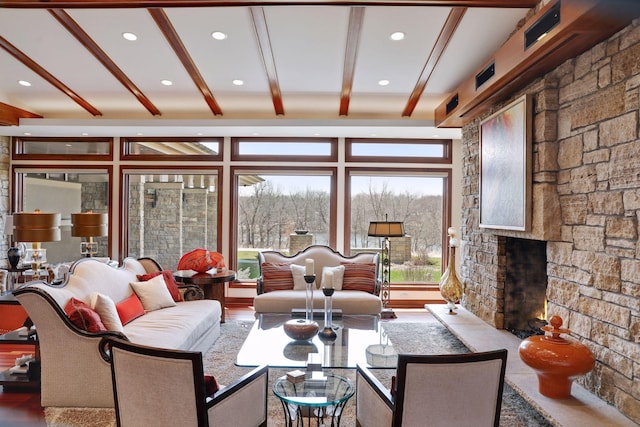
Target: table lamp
x=386, y=229
x=36, y=227
x=89, y=225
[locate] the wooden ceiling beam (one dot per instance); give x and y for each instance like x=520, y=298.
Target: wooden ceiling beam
x=85, y=40
x=170, y=33
x=39, y=70
x=10, y=115
x=449, y=28
x=104, y=4
x=356, y=18
x=266, y=52
x=582, y=24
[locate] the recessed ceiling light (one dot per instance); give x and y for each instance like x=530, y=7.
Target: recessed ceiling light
x=199, y=134
x=238, y=82
x=166, y=82
x=383, y=82
x=24, y=83
x=255, y=134
x=140, y=134
x=68, y=145
x=85, y=134
x=398, y=35
x=129, y=36
x=218, y=35
x=27, y=134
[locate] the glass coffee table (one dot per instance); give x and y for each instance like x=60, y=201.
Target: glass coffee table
x=359, y=339
x=321, y=397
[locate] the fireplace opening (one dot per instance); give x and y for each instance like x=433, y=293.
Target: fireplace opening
x=525, y=287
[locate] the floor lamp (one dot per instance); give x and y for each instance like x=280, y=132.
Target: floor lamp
x=386, y=229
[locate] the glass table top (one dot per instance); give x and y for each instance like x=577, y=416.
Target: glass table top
x=320, y=390
x=359, y=339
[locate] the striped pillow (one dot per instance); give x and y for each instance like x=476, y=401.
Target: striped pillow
x=359, y=276
x=276, y=276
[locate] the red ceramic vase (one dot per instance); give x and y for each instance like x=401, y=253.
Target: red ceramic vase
x=557, y=361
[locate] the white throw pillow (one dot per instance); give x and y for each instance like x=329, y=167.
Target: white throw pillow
x=338, y=276
x=153, y=294
x=106, y=308
x=299, y=284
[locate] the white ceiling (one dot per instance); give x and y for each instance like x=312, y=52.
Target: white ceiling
x=308, y=45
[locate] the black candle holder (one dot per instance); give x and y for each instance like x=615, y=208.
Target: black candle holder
x=327, y=335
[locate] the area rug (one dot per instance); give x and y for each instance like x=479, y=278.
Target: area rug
x=407, y=337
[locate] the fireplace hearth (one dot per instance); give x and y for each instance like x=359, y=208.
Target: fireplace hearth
x=525, y=286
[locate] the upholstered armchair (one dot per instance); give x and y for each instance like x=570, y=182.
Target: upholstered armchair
x=159, y=387
x=462, y=390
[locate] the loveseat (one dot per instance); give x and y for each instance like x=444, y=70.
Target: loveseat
x=280, y=289
x=74, y=372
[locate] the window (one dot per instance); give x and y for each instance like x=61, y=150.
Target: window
x=33, y=148
x=399, y=151
x=189, y=149
x=285, y=149
x=170, y=214
x=283, y=210
x=65, y=191
x=413, y=197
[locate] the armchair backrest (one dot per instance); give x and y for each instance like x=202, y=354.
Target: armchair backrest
x=451, y=389
x=157, y=387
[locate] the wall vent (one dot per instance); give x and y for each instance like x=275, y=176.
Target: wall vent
x=542, y=26
x=483, y=76
x=452, y=104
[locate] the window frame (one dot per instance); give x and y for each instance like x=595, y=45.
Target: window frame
x=126, y=170
x=447, y=145
x=18, y=171
x=126, y=155
x=445, y=173
x=18, y=145
x=236, y=171
x=237, y=156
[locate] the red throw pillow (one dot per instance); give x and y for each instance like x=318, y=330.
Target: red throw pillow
x=83, y=316
x=129, y=309
x=211, y=385
x=359, y=276
x=276, y=276
x=201, y=260
x=168, y=279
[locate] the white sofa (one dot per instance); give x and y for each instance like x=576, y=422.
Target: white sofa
x=74, y=372
x=349, y=301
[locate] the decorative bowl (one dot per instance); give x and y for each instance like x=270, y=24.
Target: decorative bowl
x=300, y=329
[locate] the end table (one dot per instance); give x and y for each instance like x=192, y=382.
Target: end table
x=320, y=397
x=211, y=283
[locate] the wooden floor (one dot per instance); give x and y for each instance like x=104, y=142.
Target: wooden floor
x=23, y=409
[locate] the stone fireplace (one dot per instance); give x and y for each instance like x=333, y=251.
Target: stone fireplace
x=525, y=285
x=585, y=215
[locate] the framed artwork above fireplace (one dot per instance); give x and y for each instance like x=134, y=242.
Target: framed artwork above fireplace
x=505, y=167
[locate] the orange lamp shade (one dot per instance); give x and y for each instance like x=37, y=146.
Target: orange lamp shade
x=89, y=224
x=36, y=227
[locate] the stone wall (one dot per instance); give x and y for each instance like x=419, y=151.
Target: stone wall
x=586, y=162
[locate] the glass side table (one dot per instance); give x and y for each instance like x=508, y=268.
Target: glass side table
x=321, y=397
